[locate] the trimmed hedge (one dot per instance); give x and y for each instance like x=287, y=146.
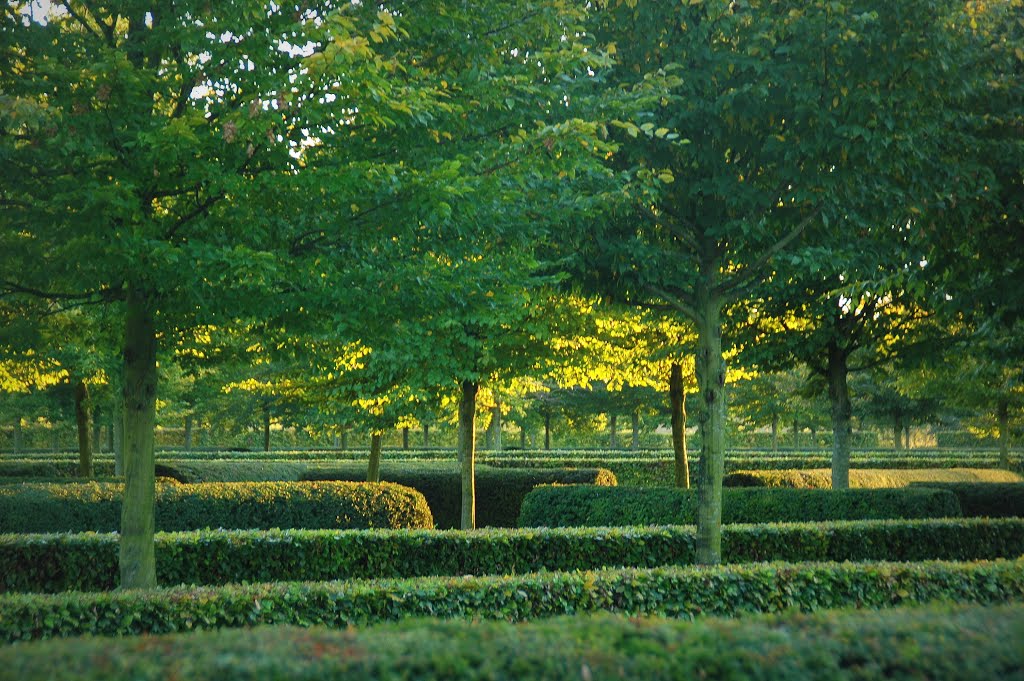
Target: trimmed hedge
x=84, y=507
x=821, y=478
x=675, y=592
x=499, y=492
x=590, y=506
x=969, y=643
x=986, y=499
x=88, y=562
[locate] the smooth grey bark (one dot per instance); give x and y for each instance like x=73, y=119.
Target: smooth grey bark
x=467, y=452
x=634, y=444
x=897, y=433
x=495, y=428
x=344, y=439
x=677, y=406
x=83, y=423
x=137, y=556
x=376, y=446
x=613, y=434
x=710, y=367
x=188, y=432
x=839, y=397
x=426, y=435
x=405, y=438
x=1003, y=418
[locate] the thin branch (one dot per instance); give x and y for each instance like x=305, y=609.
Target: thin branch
x=757, y=268
x=103, y=295
x=83, y=22
x=677, y=303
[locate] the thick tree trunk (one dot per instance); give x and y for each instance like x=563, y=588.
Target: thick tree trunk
x=97, y=431
x=344, y=440
x=796, y=434
x=376, y=445
x=613, y=431
x=547, y=432
x=266, y=429
x=897, y=433
x=1003, y=417
x=426, y=435
x=137, y=559
x=467, y=452
x=634, y=444
x=495, y=429
x=906, y=436
x=83, y=421
x=775, y=432
x=118, y=434
x=405, y=438
x=711, y=419
x=839, y=396
x=677, y=406
x=17, y=436
x=188, y=432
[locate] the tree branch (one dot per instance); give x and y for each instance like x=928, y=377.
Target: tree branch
x=757, y=268
x=675, y=302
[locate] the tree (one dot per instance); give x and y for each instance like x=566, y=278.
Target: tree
x=744, y=125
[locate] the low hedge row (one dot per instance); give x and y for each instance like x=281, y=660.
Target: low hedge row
x=985, y=499
x=88, y=562
x=590, y=506
x=499, y=492
x=96, y=506
x=675, y=592
x=821, y=478
x=969, y=643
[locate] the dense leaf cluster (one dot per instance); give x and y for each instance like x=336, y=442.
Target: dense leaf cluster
x=96, y=507
x=589, y=506
x=820, y=478
x=88, y=562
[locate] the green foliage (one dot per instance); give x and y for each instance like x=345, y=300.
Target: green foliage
x=986, y=499
x=588, y=506
x=87, y=562
x=96, y=507
x=866, y=646
x=500, y=492
x=676, y=592
x=820, y=478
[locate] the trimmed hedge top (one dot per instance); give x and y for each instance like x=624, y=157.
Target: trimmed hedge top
x=821, y=478
x=88, y=562
x=925, y=643
x=499, y=491
x=96, y=507
x=589, y=506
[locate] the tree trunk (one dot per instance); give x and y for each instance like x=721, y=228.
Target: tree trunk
x=613, y=431
x=344, y=440
x=495, y=429
x=266, y=429
x=426, y=435
x=906, y=436
x=118, y=434
x=634, y=444
x=897, y=433
x=1003, y=416
x=335, y=442
x=547, y=432
x=775, y=432
x=17, y=436
x=110, y=435
x=677, y=405
x=55, y=438
x=376, y=445
x=711, y=419
x=83, y=421
x=188, y=432
x=522, y=437
x=405, y=437
x=137, y=559
x=97, y=431
x=839, y=396
x=796, y=434
x=467, y=452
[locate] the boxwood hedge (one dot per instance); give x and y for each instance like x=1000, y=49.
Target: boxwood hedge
x=969, y=643
x=96, y=506
x=675, y=592
x=499, y=492
x=88, y=562
x=591, y=506
x=821, y=478
x=987, y=499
